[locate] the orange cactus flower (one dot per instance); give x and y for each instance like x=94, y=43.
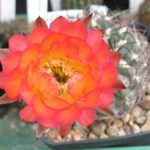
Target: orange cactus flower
x=63, y=73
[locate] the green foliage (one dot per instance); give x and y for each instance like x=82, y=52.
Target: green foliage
x=14, y=27
x=78, y=4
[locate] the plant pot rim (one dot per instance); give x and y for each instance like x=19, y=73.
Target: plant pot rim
x=136, y=139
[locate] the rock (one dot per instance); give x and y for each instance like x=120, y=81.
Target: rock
x=98, y=128
x=137, y=112
x=52, y=134
x=131, y=123
x=59, y=138
x=136, y=128
x=76, y=136
x=118, y=123
x=127, y=129
x=140, y=120
x=148, y=88
x=112, y=130
x=145, y=104
x=68, y=137
x=92, y=136
x=104, y=136
x=126, y=118
x=121, y=132
x=146, y=126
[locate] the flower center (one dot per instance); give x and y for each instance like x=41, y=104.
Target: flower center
x=61, y=68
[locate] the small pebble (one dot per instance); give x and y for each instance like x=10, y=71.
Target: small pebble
x=131, y=123
x=68, y=137
x=145, y=104
x=118, y=123
x=140, y=120
x=127, y=129
x=136, y=128
x=77, y=136
x=146, y=126
x=121, y=132
x=59, y=138
x=99, y=129
x=137, y=112
x=104, y=136
x=126, y=118
x=148, y=88
x=52, y=134
x=112, y=130
x=92, y=136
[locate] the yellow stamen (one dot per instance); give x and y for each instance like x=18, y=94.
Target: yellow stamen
x=62, y=68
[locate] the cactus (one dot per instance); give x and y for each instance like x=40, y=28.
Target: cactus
x=144, y=13
x=134, y=63
x=78, y=4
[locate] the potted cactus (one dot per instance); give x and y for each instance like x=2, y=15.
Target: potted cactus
x=81, y=81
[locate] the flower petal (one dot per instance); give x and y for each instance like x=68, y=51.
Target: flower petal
x=4, y=99
x=90, y=100
x=108, y=75
x=41, y=110
x=64, y=129
x=103, y=53
x=87, y=19
x=12, y=86
x=10, y=62
x=115, y=57
x=85, y=51
x=52, y=37
x=76, y=85
x=18, y=42
x=3, y=53
x=80, y=84
x=47, y=122
x=58, y=23
x=87, y=117
x=76, y=29
x=40, y=23
x=68, y=115
x=64, y=47
x=3, y=79
x=56, y=103
x=94, y=68
x=94, y=39
x=30, y=54
x=106, y=98
x=118, y=85
x=25, y=92
x=38, y=35
x=27, y=114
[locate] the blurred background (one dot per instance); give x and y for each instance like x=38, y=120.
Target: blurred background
x=14, y=13
x=19, y=13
